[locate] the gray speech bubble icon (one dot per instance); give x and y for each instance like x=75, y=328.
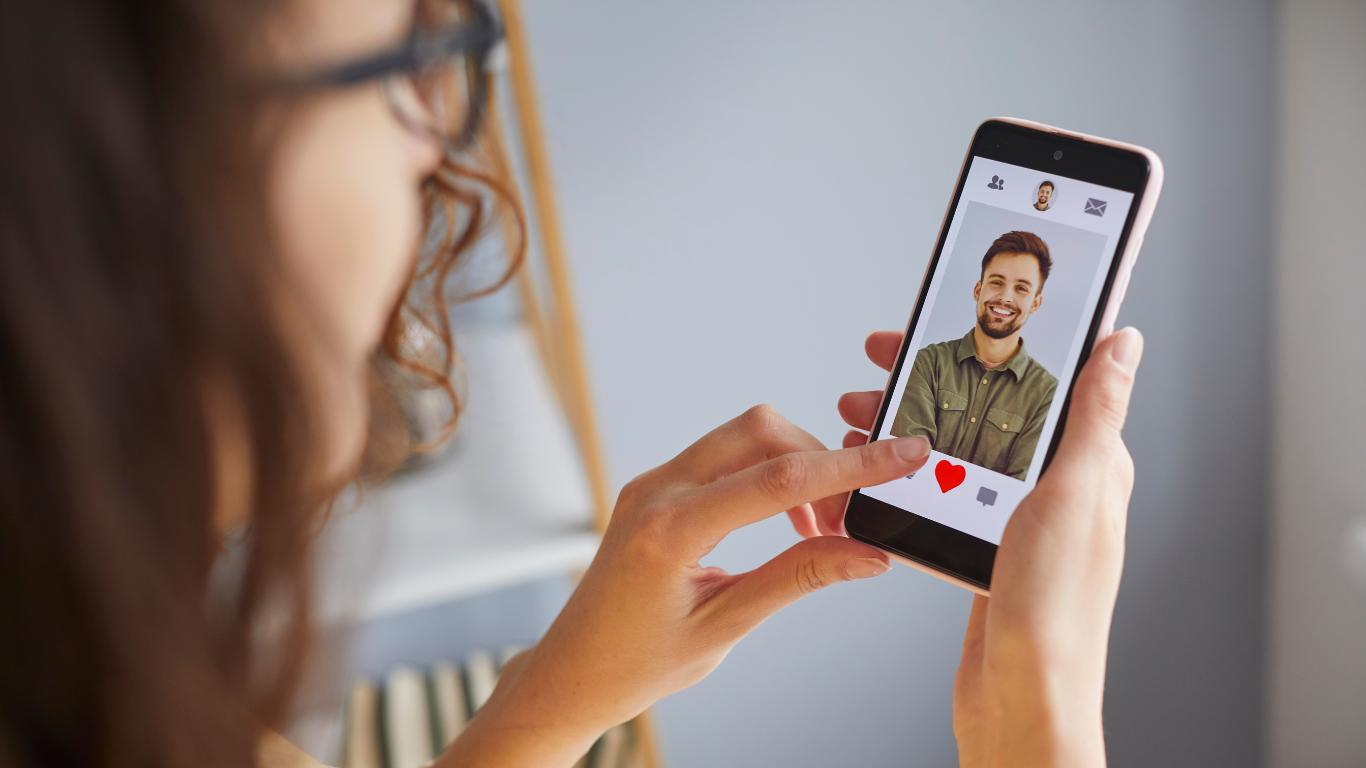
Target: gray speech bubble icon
x=986, y=496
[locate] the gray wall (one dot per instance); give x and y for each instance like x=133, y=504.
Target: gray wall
x=1318, y=595
x=751, y=187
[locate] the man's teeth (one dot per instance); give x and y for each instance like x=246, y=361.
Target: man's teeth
x=1000, y=312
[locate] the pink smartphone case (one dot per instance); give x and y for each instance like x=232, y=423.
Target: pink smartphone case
x=1144, y=214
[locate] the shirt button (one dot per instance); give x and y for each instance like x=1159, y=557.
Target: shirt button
x=972, y=419
x=984, y=379
x=1005, y=426
x=946, y=405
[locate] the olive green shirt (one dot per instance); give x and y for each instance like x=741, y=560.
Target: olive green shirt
x=991, y=418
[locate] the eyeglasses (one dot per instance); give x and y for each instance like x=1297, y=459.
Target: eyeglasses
x=437, y=82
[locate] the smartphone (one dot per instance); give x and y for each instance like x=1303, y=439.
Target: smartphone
x=1031, y=265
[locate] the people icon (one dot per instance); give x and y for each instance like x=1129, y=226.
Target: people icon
x=997, y=183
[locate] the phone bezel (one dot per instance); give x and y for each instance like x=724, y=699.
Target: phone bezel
x=932, y=544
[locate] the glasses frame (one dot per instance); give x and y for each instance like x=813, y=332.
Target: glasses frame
x=477, y=37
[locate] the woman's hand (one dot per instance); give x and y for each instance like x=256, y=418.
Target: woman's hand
x=648, y=619
x=1030, y=684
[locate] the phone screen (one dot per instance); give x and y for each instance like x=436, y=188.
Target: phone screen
x=1021, y=269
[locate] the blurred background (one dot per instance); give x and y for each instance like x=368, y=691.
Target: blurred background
x=747, y=189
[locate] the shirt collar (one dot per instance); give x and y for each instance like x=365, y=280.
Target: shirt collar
x=1017, y=365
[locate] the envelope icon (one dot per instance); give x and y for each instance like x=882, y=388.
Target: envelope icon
x=1095, y=207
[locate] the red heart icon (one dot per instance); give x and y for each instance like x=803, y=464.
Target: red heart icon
x=949, y=475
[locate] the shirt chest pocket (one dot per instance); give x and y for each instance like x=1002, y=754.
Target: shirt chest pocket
x=997, y=435
x=950, y=413
x=1004, y=421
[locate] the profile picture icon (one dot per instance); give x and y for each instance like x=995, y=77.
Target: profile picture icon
x=1043, y=196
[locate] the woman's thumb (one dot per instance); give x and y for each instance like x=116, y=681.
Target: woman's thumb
x=805, y=567
x=1100, y=400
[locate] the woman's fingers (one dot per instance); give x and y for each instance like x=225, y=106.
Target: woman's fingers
x=968, y=682
x=829, y=513
x=804, y=568
x=1100, y=402
x=757, y=435
x=792, y=479
x=975, y=637
x=882, y=347
x=859, y=409
x=804, y=521
x=1083, y=498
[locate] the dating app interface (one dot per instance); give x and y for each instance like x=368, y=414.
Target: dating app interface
x=998, y=340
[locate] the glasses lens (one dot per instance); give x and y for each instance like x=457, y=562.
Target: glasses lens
x=437, y=96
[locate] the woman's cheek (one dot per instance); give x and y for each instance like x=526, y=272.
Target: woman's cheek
x=395, y=218
x=352, y=215
x=386, y=215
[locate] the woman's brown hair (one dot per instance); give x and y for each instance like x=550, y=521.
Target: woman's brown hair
x=135, y=273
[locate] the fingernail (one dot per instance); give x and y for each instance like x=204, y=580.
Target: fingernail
x=1127, y=349
x=911, y=448
x=865, y=567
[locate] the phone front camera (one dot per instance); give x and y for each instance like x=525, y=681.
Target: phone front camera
x=1057, y=155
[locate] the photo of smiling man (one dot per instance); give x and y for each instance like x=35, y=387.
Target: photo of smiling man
x=982, y=398
x=1043, y=196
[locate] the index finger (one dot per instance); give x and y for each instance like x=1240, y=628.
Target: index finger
x=757, y=434
x=882, y=347
x=784, y=482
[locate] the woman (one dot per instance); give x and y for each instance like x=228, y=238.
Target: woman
x=208, y=228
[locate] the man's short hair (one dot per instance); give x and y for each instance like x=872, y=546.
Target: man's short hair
x=1047, y=184
x=1021, y=242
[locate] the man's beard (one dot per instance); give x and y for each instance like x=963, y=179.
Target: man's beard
x=984, y=318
